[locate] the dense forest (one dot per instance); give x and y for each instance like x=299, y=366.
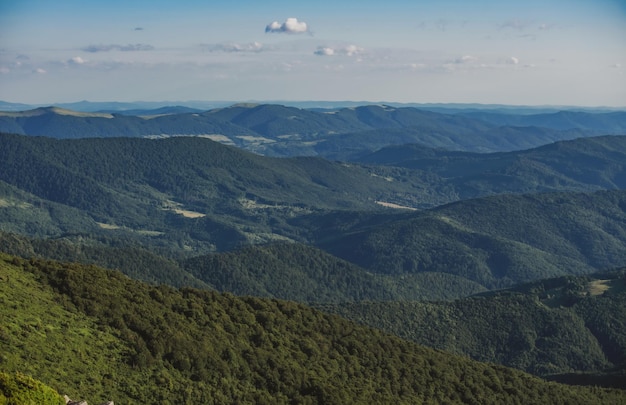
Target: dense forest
x=549, y=327
x=92, y=332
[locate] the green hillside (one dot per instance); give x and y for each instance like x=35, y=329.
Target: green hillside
x=558, y=326
x=98, y=335
x=582, y=164
x=301, y=273
x=185, y=197
x=495, y=241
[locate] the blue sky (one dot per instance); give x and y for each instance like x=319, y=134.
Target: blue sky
x=557, y=52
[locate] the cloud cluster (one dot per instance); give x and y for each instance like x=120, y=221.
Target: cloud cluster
x=349, y=50
x=232, y=47
x=290, y=26
x=114, y=47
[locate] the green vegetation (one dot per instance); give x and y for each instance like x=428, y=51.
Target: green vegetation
x=300, y=273
x=184, y=197
x=578, y=165
x=19, y=389
x=131, y=342
x=496, y=241
x=568, y=325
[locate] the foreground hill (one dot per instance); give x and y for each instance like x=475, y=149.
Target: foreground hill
x=341, y=134
x=565, y=325
x=86, y=330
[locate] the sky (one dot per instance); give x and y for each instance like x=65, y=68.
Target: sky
x=525, y=52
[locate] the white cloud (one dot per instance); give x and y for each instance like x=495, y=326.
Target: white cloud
x=40, y=71
x=76, y=60
x=324, y=51
x=349, y=50
x=290, y=26
x=465, y=59
x=235, y=47
x=115, y=47
x=512, y=60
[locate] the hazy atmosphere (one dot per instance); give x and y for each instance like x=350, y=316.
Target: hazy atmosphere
x=532, y=52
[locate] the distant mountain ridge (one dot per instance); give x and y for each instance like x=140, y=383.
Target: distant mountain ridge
x=278, y=130
x=94, y=106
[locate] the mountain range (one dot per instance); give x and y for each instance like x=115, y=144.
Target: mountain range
x=185, y=197
x=340, y=134
x=494, y=234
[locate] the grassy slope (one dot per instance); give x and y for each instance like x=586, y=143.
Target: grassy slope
x=18, y=389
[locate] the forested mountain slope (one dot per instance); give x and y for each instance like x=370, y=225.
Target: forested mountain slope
x=183, y=197
x=86, y=330
x=555, y=326
x=495, y=241
x=301, y=273
x=583, y=164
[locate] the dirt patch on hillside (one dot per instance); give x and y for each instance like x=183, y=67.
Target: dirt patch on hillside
x=396, y=206
x=598, y=287
x=188, y=214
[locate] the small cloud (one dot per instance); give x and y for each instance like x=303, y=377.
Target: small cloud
x=617, y=65
x=40, y=71
x=114, y=47
x=234, y=47
x=465, y=59
x=512, y=60
x=138, y=29
x=290, y=26
x=324, y=51
x=417, y=66
x=349, y=50
x=76, y=60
